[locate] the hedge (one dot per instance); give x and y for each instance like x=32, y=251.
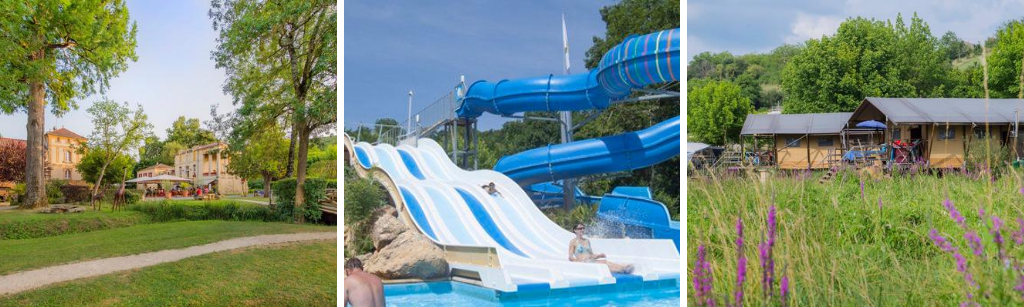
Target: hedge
x=170, y=210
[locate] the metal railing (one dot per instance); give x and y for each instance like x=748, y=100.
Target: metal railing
x=436, y=114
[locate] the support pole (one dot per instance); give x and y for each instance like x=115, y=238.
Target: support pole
x=568, y=184
x=408, y=119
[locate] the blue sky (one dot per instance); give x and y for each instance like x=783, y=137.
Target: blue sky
x=392, y=47
x=759, y=26
x=173, y=77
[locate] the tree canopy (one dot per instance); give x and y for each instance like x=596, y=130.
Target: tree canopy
x=1005, y=61
x=280, y=58
x=188, y=133
x=866, y=57
x=55, y=52
x=715, y=111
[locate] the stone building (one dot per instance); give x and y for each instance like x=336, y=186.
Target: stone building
x=207, y=165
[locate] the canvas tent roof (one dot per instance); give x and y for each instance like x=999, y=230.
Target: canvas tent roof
x=814, y=123
x=943, y=110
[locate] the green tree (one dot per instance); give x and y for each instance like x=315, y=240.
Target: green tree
x=953, y=46
x=715, y=111
x=92, y=165
x=264, y=156
x=188, y=133
x=117, y=131
x=1004, y=63
x=865, y=58
x=281, y=61
x=55, y=52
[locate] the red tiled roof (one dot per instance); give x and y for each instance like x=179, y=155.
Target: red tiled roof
x=65, y=133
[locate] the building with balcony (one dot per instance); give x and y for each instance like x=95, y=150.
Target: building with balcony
x=207, y=165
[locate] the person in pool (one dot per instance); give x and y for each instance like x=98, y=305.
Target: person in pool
x=580, y=251
x=362, y=289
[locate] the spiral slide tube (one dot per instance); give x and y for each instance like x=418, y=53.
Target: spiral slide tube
x=638, y=61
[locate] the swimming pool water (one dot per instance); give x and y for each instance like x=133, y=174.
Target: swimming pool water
x=662, y=293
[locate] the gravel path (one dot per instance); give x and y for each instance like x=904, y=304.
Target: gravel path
x=28, y=280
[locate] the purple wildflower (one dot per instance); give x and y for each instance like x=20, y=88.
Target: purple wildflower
x=741, y=263
x=862, y=188
x=1022, y=191
x=702, y=278
x=1018, y=236
x=941, y=241
x=772, y=225
x=784, y=288
x=953, y=213
x=879, y=203
x=974, y=241
x=997, y=236
x=981, y=213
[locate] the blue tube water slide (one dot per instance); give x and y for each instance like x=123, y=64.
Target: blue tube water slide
x=638, y=61
x=622, y=152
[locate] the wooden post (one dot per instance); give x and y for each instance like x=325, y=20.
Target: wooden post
x=808, y=137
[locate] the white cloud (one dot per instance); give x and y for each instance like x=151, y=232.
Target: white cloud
x=807, y=26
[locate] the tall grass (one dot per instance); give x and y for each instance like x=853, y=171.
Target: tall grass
x=840, y=244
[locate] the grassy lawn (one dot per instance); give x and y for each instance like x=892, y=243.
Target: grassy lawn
x=303, y=274
x=843, y=245
x=19, y=255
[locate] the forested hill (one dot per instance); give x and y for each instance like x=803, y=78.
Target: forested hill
x=865, y=57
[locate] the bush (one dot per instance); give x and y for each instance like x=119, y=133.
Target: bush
x=362, y=197
x=980, y=153
x=75, y=193
x=170, y=210
x=54, y=195
x=19, y=193
x=315, y=191
x=568, y=219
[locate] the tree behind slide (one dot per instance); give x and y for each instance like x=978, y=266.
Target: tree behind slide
x=55, y=52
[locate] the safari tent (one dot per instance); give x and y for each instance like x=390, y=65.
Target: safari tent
x=937, y=130
x=798, y=141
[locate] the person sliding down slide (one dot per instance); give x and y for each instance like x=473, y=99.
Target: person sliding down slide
x=579, y=251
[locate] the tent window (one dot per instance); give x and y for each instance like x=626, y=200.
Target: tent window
x=793, y=142
x=825, y=141
x=896, y=135
x=947, y=133
x=979, y=132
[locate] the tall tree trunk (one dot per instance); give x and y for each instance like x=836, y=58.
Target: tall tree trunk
x=291, y=151
x=99, y=182
x=35, y=187
x=300, y=174
x=266, y=189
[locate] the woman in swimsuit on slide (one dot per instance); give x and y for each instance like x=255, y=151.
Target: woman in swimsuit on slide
x=580, y=251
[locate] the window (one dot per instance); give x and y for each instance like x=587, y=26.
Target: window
x=947, y=133
x=792, y=142
x=67, y=156
x=67, y=174
x=896, y=135
x=979, y=132
x=825, y=141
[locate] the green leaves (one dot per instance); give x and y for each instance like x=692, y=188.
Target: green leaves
x=715, y=111
x=868, y=58
x=73, y=47
x=1004, y=61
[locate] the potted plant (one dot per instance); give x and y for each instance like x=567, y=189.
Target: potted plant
x=163, y=185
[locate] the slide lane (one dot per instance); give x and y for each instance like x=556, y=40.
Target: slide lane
x=529, y=225
x=442, y=212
